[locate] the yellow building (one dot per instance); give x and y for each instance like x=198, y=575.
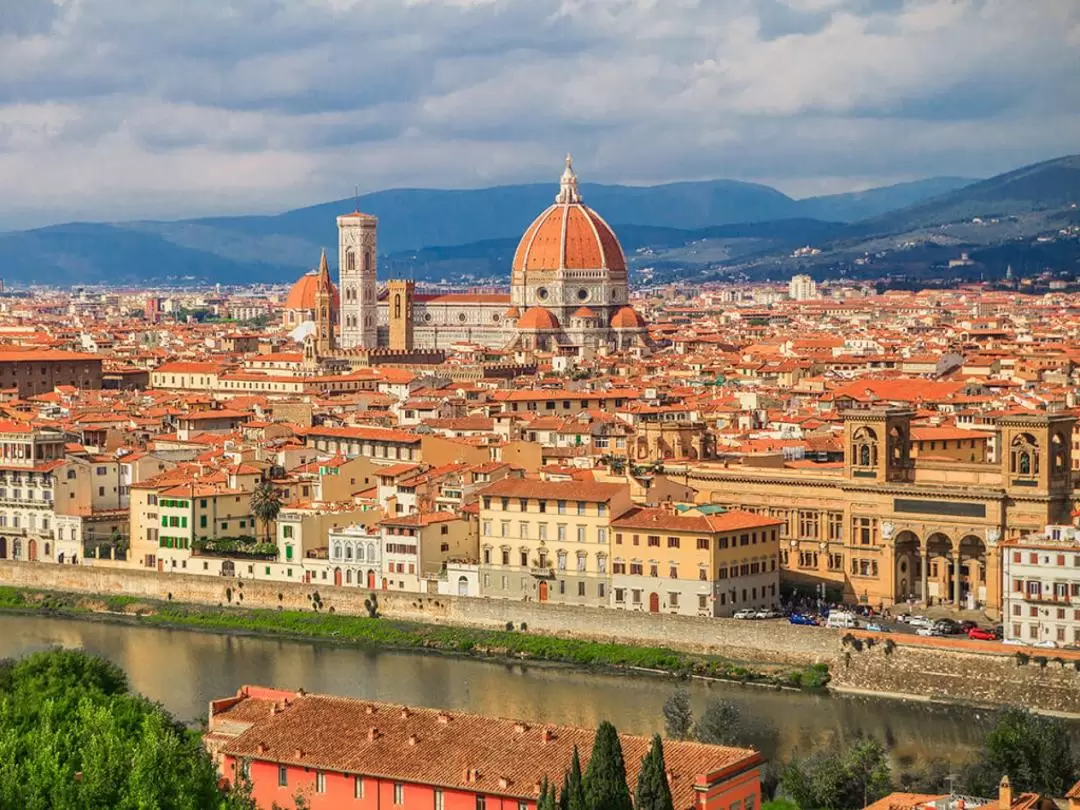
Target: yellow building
x=695, y=563
x=548, y=540
x=885, y=526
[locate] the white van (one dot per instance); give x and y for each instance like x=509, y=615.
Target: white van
x=842, y=619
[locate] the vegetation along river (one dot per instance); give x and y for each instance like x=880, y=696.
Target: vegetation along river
x=184, y=670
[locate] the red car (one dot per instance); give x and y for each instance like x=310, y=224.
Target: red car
x=980, y=634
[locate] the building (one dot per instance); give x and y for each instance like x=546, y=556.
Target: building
x=40, y=371
x=301, y=304
x=884, y=527
x=701, y=562
x=1041, y=575
x=549, y=540
x=802, y=288
x=343, y=752
x=417, y=547
x=568, y=292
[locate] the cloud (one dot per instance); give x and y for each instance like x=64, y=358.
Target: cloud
x=111, y=109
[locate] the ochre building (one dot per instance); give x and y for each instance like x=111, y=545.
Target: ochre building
x=884, y=527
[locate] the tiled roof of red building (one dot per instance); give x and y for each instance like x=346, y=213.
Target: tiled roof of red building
x=558, y=490
x=661, y=518
x=429, y=746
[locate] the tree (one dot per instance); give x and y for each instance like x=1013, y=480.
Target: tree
x=71, y=735
x=573, y=793
x=719, y=724
x=1034, y=751
x=678, y=716
x=844, y=780
x=547, y=800
x=605, y=778
x=653, y=791
x=266, y=505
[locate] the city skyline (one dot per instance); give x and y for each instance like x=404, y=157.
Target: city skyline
x=186, y=110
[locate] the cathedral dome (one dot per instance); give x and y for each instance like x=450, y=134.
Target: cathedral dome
x=537, y=318
x=627, y=318
x=302, y=295
x=569, y=236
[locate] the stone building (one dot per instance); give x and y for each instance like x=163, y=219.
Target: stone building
x=1041, y=574
x=40, y=371
x=884, y=526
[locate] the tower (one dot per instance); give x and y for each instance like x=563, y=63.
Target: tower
x=400, y=298
x=356, y=266
x=878, y=444
x=324, y=311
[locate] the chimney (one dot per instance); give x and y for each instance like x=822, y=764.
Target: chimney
x=1005, y=794
x=443, y=718
x=261, y=748
x=301, y=692
x=504, y=782
x=413, y=739
x=298, y=753
x=405, y=713
x=369, y=709
x=273, y=709
x=547, y=735
x=373, y=734
x=521, y=727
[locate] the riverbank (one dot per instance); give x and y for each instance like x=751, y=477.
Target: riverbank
x=516, y=642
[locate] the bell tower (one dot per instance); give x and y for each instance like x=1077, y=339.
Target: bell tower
x=357, y=259
x=877, y=444
x=325, y=342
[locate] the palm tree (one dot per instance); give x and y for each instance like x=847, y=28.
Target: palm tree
x=265, y=505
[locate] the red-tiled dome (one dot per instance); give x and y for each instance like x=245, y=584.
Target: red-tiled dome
x=569, y=235
x=627, y=318
x=302, y=294
x=583, y=312
x=538, y=318
x=513, y=312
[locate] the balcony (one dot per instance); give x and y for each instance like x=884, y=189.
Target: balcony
x=541, y=571
x=1048, y=598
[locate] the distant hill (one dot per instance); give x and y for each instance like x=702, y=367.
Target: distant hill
x=1042, y=187
x=431, y=233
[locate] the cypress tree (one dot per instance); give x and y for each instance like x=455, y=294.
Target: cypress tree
x=605, y=778
x=574, y=792
x=564, y=796
x=653, y=791
x=546, y=801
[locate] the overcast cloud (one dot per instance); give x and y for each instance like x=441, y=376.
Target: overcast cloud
x=115, y=108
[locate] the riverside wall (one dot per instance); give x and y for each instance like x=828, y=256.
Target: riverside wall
x=1045, y=680
x=759, y=642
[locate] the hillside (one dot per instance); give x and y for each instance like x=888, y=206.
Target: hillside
x=280, y=247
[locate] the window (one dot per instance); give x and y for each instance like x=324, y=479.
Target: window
x=282, y=776
x=703, y=544
x=561, y=507
x=581, y=589
x=673, y=600
x=481, y=803
x=399, y=793
x=581, y=534
x=320, y=782
x=438, y=799
x=581, y=507
x=673, y=542
x=620, y=595
x=654, y=540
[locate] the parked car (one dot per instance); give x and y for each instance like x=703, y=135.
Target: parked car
x=928, y=631
x=877, y=628
x=745, y=613
x=948, y=627
x=904, y=618
x=920, y=621
x=841, y=619
x=1015, y=642
x=1046, y=644
x=799, y=618
x=981, y=634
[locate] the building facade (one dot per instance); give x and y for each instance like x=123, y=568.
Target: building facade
x=346, y=753
x=1041, y=574
x=885, y=527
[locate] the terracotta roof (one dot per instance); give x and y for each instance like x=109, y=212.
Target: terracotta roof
x=553, y=490
x=538, y=318
x=302, y=294
x=569, y=236
x=429, y=746
x=661, y=518
x=627, y=318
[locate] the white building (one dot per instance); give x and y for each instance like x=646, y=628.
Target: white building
x=802, y=288
x=1041, y=579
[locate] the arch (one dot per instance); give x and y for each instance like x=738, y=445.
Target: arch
x=972, y=581
x=360, y=552
x=228, y=568
x=1024, y=455
x=371, y=580
x=348, y=576
x=337, y=577
x=397, y=305
x=654, y=602
x=898, y=446
x=350, y=259
x=463, y=585
x=907, y=566
x=1059, y=452
x=864, y=447
x=337, y=551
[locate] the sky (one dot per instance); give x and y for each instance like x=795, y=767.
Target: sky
x=122, y=109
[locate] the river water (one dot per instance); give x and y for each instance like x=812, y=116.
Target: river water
x=185, y=669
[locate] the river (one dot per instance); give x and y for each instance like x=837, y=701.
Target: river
x=185, y=669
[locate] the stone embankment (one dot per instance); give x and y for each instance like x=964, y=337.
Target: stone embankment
x=759, y=642
x=952, y=670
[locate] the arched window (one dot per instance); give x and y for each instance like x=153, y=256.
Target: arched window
x=360, y=552
x=397, y=305
x=348, y=577
x=371, y=552
x=864, y=447
x=367, y=261
x=337, y=551
x=1024, y=455
x=348, y=551
x=1058, y=448
x=350, y=259
x=898, y=448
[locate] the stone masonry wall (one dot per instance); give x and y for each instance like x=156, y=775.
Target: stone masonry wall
x=978, y=678
x=763, y=642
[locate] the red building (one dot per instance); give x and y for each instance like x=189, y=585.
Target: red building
x=347, y=753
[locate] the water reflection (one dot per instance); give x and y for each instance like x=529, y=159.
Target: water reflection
x=184, y=670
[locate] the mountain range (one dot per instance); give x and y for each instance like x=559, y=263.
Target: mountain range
x=432, y=233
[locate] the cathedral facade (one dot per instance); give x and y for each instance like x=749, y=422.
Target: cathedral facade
x=568, y=291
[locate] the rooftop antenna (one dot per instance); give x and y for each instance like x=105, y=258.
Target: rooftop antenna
x=356, y=197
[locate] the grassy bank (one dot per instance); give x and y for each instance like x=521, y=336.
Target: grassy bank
x=519, y=643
